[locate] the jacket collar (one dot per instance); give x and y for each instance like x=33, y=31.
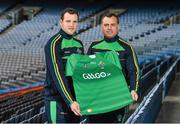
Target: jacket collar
x=115, y=38
x=65, y=35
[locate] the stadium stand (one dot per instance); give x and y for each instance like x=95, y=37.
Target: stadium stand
x=4, y=23
x=22, y=63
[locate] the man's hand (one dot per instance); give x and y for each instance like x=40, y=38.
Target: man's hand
x=75, y=108
x=134, y=95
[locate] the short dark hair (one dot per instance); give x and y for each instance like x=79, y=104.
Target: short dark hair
x=110, y=15
x=70, y=11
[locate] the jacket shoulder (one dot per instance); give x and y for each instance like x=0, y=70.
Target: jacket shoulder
x=77, y=39
x=125, y=42
x=96, y=42
x=52, y=39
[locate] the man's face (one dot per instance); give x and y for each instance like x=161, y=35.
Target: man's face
x=110, y=27
x=69, y=23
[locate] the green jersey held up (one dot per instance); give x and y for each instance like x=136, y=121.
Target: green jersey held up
x=99, y=83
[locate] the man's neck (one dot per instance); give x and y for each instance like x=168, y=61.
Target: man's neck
x=65, y=35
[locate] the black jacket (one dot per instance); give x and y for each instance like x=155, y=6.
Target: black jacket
x=57, y=49
x=127, y=57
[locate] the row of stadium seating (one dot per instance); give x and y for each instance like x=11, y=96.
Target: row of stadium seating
x=23, y=62
x=152, y=72
x=4, y=23
x=149, y=108
x=18, y=108
x=52, y=8
x=134, y=19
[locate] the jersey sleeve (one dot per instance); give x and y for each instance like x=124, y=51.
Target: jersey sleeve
x=70, y=65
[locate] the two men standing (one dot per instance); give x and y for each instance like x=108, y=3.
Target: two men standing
x=60, y=102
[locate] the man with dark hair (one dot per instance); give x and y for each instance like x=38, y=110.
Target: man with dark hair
x=110, y=15
x=128, y=61
x=60, y=102
x=70, y=11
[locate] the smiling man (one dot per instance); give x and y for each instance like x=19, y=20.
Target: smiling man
x=60, y=104
x=127, y=59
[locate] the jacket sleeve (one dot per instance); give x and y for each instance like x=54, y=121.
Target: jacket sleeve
x=133, y=72
x=56, y=68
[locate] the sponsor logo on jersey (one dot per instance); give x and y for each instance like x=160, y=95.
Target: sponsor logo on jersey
x=98, y=75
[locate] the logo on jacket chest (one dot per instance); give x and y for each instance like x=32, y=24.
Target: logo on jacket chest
x=73, y=50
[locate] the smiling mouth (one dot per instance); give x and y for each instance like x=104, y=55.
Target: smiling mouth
x=109, y=32
x=71, y=28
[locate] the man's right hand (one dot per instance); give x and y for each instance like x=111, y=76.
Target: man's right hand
x=75, y=108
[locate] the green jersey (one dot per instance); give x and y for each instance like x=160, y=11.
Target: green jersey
x=98, y=81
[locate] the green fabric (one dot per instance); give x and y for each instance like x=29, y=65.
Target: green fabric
x=53, y=111
x=109, y=46
x=99, y=83
x=67, y=43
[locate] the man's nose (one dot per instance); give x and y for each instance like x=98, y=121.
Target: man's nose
x=71, y=24
x=109, y=27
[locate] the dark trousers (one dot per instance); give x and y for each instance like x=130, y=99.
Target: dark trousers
x=117, y=116
x=56, y=113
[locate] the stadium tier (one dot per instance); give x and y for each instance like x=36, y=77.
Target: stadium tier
x=153, y=31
